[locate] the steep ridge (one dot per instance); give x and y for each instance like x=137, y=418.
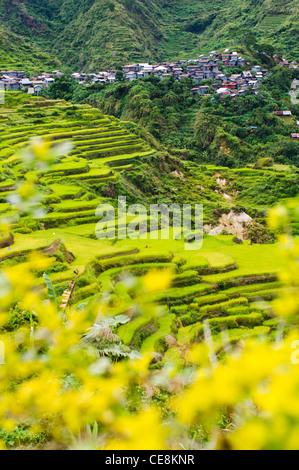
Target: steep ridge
x=95, y=33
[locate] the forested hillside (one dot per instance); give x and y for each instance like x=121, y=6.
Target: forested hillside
x=96, y=33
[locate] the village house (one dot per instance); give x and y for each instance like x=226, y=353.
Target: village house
x=214, y=55
x=48, y=81
x=160, y=70
x=11, y=85
x=131, y=68
x=259, y=76
x=25, y=83
x=235, y=77
x=47, y=75
x=193, y=68
x=223, y=91
x=130, y=76
x=37, y=83
x=145, y=66
x=246, y=74
x=225, y=59
x=256, y=68
x=183, y=75
x=282, y=113
x=177, y=70
x=222, y=77
x=230, y=85
x=38, y=89
x=233, y=62
x=198, y=78
x=77, y=76
x=147, y=71
x=111, y=78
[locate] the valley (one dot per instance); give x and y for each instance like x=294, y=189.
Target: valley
x=149, y=226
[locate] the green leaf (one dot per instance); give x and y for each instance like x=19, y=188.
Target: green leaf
x=51, y=291
x=81, y=307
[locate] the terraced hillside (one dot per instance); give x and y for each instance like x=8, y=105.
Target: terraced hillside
x=101, y=145
x=220, y=282
x=17, y=53
x=102, y=149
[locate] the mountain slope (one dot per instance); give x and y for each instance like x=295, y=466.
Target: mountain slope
x=96, y=33
x=18, y=53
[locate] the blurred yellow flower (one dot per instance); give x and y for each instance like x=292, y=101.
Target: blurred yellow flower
x=157, y=280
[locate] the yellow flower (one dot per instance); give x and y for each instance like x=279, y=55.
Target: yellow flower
x=278, y=217
x=157, y=280
x=40, y=147
x=144, y=431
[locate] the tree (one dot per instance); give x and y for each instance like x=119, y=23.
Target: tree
x=62, y=88
x=205, y=127
x=120, y=76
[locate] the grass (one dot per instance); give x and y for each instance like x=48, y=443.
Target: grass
x=149, y=344
x=126, y=332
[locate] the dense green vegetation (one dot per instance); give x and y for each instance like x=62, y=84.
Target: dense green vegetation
x=96, y=33
x=229, y=132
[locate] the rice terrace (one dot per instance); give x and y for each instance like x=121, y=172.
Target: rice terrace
x=149, y=224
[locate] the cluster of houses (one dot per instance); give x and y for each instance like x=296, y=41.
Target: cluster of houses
x=12, y=80
x=206, y=67
x=203, y=68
